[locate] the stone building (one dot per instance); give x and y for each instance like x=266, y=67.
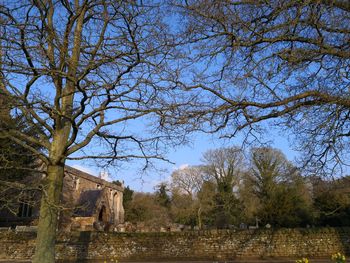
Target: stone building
x=89, y=203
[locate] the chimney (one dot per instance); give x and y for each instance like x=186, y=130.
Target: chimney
x=104, y=175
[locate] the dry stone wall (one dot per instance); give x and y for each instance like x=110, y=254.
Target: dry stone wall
x=202, y=245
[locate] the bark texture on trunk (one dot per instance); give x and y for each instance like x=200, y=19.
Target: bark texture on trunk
x=49, y=211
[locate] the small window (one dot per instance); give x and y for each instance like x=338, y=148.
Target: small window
x=76, y=184
x=98, y=186
x=25, y=210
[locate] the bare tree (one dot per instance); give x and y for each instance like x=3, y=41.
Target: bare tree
x=268, y=167
x=286, y=61
x=82, y=73
x=186, y=184
x=224, y=166
x=211, y=185
x=188, y=180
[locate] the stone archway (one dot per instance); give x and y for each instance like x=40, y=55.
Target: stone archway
x=102, y=215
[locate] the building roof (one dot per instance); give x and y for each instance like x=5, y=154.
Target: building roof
x=92, y=178
x=87, y=203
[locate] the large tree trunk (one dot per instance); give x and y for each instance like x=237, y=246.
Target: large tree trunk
x=49, y=211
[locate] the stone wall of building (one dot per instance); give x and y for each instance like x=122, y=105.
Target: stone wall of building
x=76, y=182
x=76, y=185
x=202, y=245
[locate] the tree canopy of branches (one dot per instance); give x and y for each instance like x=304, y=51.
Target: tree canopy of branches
x=284, y=61
x=224, y=167
x=188, y=180
x=82, y=73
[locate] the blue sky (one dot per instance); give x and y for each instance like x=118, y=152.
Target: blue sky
x=181, y=156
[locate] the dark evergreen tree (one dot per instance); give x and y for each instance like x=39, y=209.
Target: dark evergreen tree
x=280, y=189
x=127, y=199
x=162, y=195
x=18, y=164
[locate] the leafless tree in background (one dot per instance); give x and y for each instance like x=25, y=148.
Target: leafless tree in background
x=211, y=186
x=90, y=78
x=187, y=204
x=224, y=166
x=188, y=180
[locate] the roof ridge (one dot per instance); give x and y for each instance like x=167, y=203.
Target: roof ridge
x=93, y=178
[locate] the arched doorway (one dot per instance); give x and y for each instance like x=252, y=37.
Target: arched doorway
x=102, y=215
